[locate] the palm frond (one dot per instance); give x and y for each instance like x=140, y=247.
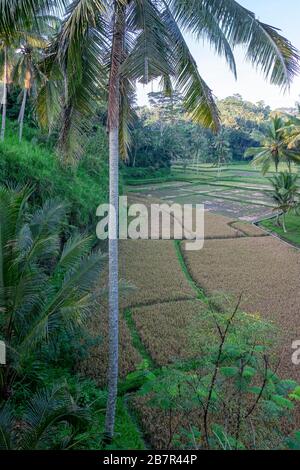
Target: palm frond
x=74, y=249
x=19, y=14
x=47, y=104
x=75, y=58
x=194, y=17
x=127, y=115
x=6, y=427
x=266, y=48
x=47, y=409
x=150, y=55
x=198, y=98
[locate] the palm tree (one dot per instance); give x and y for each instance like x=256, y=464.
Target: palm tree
x=292, y=133
x=140, y=40
x=274, y=148
x=284, y=194
x=26, y=71
x=222, y=149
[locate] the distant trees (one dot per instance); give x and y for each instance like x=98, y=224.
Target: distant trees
x=164, y=132
x=222, y=149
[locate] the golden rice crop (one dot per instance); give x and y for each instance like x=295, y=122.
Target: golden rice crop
x=156, y=423
x=152, y=267
x=165, y=329
x=266, y=273
x=249, y=230
x=217, y=226
x=97, y=363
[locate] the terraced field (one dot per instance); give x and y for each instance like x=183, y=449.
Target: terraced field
x=171, y=288
x=238, y=191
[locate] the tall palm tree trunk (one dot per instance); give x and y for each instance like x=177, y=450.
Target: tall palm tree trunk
x=283, y=222
x=113, y=127
x=4, y=99
x=22, y=114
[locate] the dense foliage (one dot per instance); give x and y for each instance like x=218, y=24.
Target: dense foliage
x=163, y=133
x=49, y=288
x=35, y=162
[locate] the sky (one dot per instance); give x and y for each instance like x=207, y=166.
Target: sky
x=250, y=83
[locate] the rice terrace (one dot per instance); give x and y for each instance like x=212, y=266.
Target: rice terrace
x=241, y=258
x=149, y=231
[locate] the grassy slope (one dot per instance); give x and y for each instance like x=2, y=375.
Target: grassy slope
x=293, y=228
x=34, y=163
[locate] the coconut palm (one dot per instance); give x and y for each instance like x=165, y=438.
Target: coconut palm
x=44, y=290
x=140, y=40
x=222, y=149
x=273, y=149
x=284, y=195
x=4, y=50
x=24, y=26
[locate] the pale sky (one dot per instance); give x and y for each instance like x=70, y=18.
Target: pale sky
x=250, y=84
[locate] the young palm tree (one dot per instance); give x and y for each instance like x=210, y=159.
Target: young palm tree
x=285, y=194
x=274, y=148
x=43, y=289
x=222, y=150
x=140, y=40
x=45, y=411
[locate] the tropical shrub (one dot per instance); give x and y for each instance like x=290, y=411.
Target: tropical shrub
x=47, y=286
x=47, y=413
x=230, y=397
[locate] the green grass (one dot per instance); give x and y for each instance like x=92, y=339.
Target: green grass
x=82, y=187
x=127, y=435
x=136, y=340
x=292, y=225
x=200, y=294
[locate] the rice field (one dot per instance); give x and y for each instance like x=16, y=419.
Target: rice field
x=168, y=293
x=238, y=191
x=266, y=272
x=165, y=329
x=249, y=230
x=152, y=268
x=96, y=365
